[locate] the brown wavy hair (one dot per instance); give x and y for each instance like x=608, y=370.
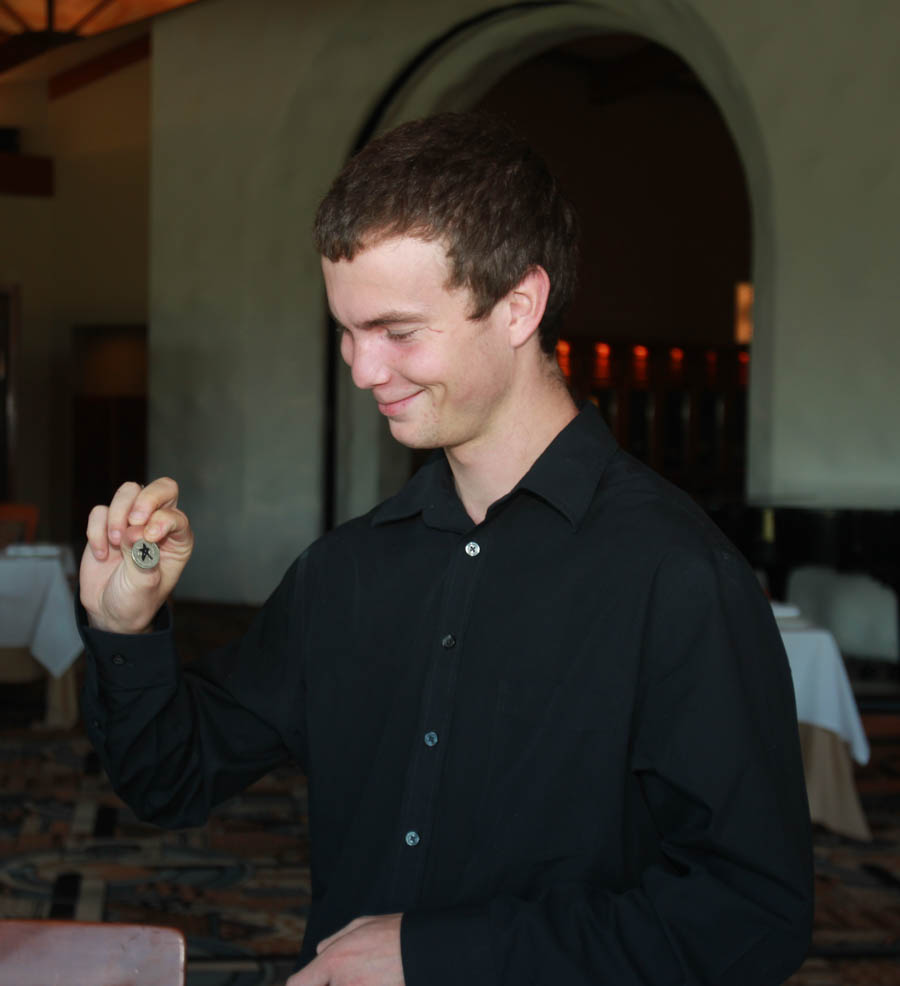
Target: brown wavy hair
x=470, y=182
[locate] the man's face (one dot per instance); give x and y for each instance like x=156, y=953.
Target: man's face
x=439, y=378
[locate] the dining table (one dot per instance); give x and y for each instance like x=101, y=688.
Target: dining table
x=832, y=736
x=38, y=633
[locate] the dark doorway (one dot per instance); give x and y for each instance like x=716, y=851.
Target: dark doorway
x=645, y=155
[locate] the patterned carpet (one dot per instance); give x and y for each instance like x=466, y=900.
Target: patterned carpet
x=239, y=887
x=856, y=940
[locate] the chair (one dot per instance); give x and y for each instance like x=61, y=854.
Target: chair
x=857, y=609
x=38, y=953
x=18, y=523
x=863, y=615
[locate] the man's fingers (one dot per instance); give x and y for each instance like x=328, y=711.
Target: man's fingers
x=331, y=939
x=122, y=588
x=314, y=974
x=160, y=493
x=365, y=952
x=97, y=532
x=132, y=505
x=119, y=508
x=167, y=523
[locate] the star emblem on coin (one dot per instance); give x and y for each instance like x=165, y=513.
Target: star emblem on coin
x=145, y=554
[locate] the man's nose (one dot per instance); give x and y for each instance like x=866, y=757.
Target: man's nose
x=368, y=368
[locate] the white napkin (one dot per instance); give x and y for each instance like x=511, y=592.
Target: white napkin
x=32, y=551
x=784, y=610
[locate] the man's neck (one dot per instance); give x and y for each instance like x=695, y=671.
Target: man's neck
x=486, y=472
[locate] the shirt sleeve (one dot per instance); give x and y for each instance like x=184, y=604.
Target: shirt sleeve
x=716, y=755
x=175, y=742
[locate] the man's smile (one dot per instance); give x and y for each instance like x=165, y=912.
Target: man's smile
x=392, y=407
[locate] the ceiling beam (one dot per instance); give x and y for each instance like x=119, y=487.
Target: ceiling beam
x=15, y=15
x=91, y=14
x=21, y=48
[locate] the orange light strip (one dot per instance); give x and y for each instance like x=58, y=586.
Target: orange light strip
x=563, y=358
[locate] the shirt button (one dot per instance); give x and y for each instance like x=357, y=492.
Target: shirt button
x=412, y=838
x=96, y=723
x=448, y=641
x=118, y=660
x=472, y=548
x=431, y=739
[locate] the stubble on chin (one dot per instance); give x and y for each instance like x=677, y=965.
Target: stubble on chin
x=413, y=438
x=420, y=432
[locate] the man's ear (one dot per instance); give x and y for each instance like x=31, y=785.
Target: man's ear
x=527, y=302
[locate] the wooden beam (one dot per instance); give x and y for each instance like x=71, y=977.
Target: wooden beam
x=25, y=174
x=99, y=67
x=91, y=14
x=15, y=15
x=20, y=48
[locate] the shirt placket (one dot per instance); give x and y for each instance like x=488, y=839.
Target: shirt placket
x=433, y=736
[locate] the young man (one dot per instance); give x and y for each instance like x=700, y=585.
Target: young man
x=542, y=705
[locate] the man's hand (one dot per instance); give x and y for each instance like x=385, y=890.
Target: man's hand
x=365, y=952
x=117, y=595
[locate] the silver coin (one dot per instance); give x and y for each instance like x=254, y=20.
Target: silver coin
x=145, y=554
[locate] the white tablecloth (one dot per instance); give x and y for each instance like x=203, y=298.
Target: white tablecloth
x=824, y=695
x=36, y=609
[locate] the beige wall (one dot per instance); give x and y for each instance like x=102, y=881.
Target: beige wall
x=79, y=257
x=823, y=79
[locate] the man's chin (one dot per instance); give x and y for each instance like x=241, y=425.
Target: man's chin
x=406, y=434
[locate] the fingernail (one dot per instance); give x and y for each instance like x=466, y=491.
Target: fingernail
x=115, y=536
x=137, y=517
x=153, y=531
x=99, y=555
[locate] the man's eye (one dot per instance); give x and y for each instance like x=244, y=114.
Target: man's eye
x=401, y=336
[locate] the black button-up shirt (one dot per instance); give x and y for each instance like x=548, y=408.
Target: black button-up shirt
x=563, y=741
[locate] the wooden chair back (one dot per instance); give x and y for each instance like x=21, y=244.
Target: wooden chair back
x=38, y=953
x=18, y=522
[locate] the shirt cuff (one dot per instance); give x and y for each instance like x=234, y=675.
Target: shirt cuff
x=127, y=660
x=448, y=947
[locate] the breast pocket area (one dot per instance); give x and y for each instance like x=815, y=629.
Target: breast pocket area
x=545, y=774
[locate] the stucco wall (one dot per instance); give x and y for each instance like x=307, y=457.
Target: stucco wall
x=256, y=106
x=823, y=79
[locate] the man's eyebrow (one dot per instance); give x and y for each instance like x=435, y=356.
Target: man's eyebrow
x=385, y=318
x=392, y=318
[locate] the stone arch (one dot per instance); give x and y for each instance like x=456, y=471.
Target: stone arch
x=453, y=72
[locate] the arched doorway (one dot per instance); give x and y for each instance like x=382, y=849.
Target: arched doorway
x=643, y=152
x=459, y=71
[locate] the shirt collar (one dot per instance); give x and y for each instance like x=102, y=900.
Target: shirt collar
x=430, y=492
x=565, y=475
